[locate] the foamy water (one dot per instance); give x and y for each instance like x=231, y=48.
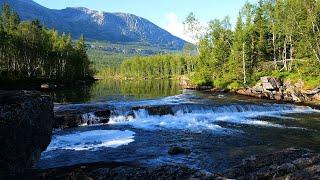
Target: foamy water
x=204, y=118
x=91, y=140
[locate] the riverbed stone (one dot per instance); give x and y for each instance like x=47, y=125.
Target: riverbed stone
x=62, y=121
x=287, y=163
x=109, y=171
x=176, y=150
x=103, y=115
x=26, y=120
x=156, y=110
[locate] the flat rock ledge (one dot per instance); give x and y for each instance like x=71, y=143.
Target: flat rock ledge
x=25, y=129
x=287, y=164
x=290, y=163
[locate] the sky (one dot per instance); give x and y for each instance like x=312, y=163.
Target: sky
x=168, y=14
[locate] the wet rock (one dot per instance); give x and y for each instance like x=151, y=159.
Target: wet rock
x=280, y=165
x=203, y=88
x=178, y=150
x=251, y=92
x=104, y=116
x=287, y=164
x=108, y=171
x=278, y=96
x=219, y=90
x=48, y=86
x=156, y=110
x=26, y=120
x=62, y=121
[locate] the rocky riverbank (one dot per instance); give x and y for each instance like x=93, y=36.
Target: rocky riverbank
x=25, y=129
x=274, y=89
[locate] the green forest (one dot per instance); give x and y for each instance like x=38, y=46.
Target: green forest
x=158, y=66
x=272, y=37
x=29, y=51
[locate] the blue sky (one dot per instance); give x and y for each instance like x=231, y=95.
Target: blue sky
x=168, y=14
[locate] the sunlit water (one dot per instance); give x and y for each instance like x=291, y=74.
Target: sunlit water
x=219, y=129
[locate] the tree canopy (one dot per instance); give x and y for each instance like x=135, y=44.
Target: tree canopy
x=30, y=51
x=272, y=37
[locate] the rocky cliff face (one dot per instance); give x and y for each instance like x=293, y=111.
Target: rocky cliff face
x=94, y=25
x=25, y=129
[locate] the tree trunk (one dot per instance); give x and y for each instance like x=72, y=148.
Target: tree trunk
x=244, y=64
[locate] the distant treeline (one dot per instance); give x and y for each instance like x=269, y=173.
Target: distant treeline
x=158, y=66
x=279, y=38
x=29, y=51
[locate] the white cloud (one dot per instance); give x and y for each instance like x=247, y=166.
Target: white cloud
x=176, y=27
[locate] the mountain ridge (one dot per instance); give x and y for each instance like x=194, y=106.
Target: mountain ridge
x=98, y=25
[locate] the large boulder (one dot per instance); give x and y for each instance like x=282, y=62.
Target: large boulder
x=271, y=83
x=25, y=129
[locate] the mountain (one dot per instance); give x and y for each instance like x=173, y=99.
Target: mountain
x=100, y=26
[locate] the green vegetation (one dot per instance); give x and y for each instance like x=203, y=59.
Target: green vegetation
x=111, y=55
x=102, y=59
x=31, y=52
x=279, y=38
x=158, y=66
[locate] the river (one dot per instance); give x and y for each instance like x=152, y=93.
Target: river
x=219, y=129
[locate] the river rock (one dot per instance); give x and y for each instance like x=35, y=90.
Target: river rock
x=290, y=163
x=311, y=92
x=156, y=110
x=253, y=93
x=25, y=129
x=101, y=171
x=62, y=121
x=316, y=97
x=258, y=88
x=278, y=96
x=103, y=115
x=178, y=150
x=270, y=83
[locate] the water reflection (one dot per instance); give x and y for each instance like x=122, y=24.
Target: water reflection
x=117, y=90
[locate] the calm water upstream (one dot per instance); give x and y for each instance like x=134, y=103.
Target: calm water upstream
x=219, y=129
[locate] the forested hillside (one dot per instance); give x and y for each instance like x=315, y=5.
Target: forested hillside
x=158, y=66
x=98, y=26
x=30, y=51
x=279, y=38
